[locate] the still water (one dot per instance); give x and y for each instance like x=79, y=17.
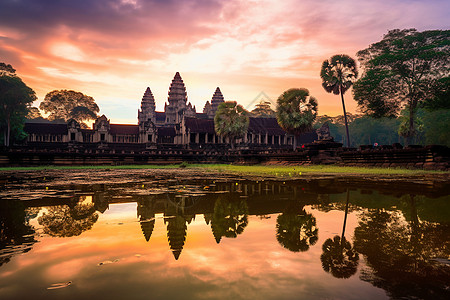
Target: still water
x=232, y=239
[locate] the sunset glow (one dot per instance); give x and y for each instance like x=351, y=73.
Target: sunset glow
x=113, y=49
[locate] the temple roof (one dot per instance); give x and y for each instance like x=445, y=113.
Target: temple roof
x=166, y=131
x=265, y=125
x=199, y=125
x=45, y=128
x=123, y=129
x=201, y=116
x=160, y=116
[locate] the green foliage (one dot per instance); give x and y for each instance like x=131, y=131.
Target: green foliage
x=338, y=75
x=296, y=111
x=6, y=69
x=230, y=218
x=339, y=258
x=437, y=127
x=441, y=95
x=15, y=99
x=65, y=105
x=369, y=93
x=263, y=110
x=231, y=120
x=405, y=69
x=296, y=230
x=33, y=113
x=367, y=131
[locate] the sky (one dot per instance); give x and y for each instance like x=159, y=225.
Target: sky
x=113, y=50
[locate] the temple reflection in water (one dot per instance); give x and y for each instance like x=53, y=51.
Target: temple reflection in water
x=396, y=234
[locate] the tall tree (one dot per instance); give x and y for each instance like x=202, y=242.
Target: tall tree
x=401, y=72
x=338, y=75
x=296, y=111
x=231, y=120
x=263, y=110
x=66, y=104
x=33, y=113
x=15, y=98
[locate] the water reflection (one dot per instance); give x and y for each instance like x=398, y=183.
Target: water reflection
x=66, y=221
x=16, y=234
x=296, y=229
x=400, y=243
x=400, y=251
x=230, y=217
x=339, y=257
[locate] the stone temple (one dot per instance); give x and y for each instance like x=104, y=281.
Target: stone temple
x=178, y=126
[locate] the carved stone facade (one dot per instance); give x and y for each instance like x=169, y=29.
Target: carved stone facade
x=179, y=125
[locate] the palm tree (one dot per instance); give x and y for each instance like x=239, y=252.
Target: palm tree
x=338, y=75
x=231, y=120
x=296, y=229
x=338, y=255
x=296, y=112
x=230, y=218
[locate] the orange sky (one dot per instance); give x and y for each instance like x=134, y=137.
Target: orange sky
x=113, y=49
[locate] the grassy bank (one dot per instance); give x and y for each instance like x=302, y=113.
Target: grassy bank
x=294, y=171
x=273, y=170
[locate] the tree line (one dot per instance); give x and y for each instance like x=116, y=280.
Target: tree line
x=16, y=100
x=403, y=93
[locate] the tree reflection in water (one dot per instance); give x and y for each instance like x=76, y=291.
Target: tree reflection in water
x=400, y=253
x=64, y=221
x=296, y=229
x=16, y=234
x=230, y=217
x=338, y=257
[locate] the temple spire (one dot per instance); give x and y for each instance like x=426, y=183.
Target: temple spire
x=216, y=100
x=178, y=107
x=147, y=111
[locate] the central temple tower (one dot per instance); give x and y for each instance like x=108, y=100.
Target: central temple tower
x=178, y=106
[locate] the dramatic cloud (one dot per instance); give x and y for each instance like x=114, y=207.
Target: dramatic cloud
x=113, y=49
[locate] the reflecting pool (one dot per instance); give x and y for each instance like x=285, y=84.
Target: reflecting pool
x=230, y=239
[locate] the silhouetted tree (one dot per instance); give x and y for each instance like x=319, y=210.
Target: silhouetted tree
x=33, y=113
x=338, y=75
x=263, y=110
x=231, y=120
x=230, y=217
x=66, y=104
x=296, y=112
x=296, y=230
x=15, y=100
x=338, y=256
x=402, y=71
x=16, y=234
x=399, y=253
x=63, y=221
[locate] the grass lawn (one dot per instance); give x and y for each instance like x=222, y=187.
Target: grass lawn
x=293, y=171
x=272, y=170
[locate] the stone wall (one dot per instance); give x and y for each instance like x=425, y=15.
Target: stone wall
x=428, y=158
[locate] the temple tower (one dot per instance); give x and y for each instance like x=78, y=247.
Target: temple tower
x=178, y=106
x=147, y=111
x=216, y=100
